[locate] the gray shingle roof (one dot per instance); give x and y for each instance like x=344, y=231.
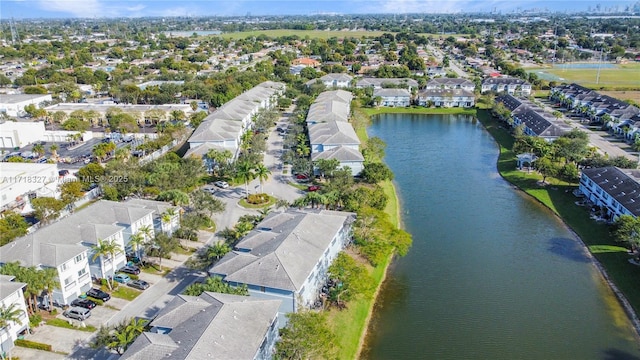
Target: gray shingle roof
x=333, y=133
x=389, y=92
x=210, y=326
x=335, y=95
x=8, y=287
x=381, y=82
x=622, y=185
x=282, y=251
x=340, y=153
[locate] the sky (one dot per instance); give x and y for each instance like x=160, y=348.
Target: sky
x=166, y=8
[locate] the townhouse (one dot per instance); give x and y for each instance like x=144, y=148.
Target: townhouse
x=20, y=182
x=68, y=244
x=450, y=83
x=212, y=325
x=441, y=97
x=287, y=256
x=393, y=97
x=379, y=83
x=616, y=191
x=533, y=119
x=11, y=294
x=330, y=134
x=223, y=129
x=509, y=85
x=333, y=81
x=139, y=112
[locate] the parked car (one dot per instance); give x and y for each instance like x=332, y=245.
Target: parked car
x=221, y=184
x=77, y=313
x=122, y=278
x=83, y=303
x=99, y=294
x=210, y=190
x=313, y=188
x=130, y=269
x=302, y=178
x=138, y=284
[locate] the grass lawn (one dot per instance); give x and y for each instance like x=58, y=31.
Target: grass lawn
x=65, y=324
x=153, y=269
x=349, y=325
x=418, y=110
x=558, y=197
x=188, y=251
x=624, y=95
x=125, y=292
x=626, y=76
x=243, y=202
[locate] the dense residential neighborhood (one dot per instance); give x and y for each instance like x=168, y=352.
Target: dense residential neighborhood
x=184, y=188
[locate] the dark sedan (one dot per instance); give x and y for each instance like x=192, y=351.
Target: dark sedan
x=84, y=303
x=99, y=294
x=138, y=284
x=130, y=269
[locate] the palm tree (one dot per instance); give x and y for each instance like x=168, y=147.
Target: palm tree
x=49, y=280
x=245, y=173
x=217, y=251
x=136, y=240
x=106, y=250
x=54, y=150
x=167, y=215
x=38, y=149
x=282, y=204
x=9, y=314
x=148, y=233
x=262, y=173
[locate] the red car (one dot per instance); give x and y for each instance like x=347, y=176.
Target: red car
x=313, y=188
x=301, y=177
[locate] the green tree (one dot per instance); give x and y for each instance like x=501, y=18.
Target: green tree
x=47, y=208
x=71, y=191
x=353, y=277
x=306, y=336
x=262, y=173
x=38, y=149
x=10, y=314
x=326, y=167
x=627, y=229
x=376, y=172
x=204, y=203
x=374, y=149
x=163, y=245
x=215, y=284
x=176, y=197
x=244, y=172
x=546, y=168
x=106, y=250
x=12, y=226
x=49, y=280
x=136, y=241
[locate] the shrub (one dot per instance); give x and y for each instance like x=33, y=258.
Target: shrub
x=35, y=320
x=33, y=345
x=97, y=301
x=134, y=277
x=258, y=198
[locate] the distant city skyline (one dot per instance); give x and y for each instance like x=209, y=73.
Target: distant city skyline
x=21, y=9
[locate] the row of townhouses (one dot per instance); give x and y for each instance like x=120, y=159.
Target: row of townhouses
x=223, y=129
x=330, y=134
x=616, y=191
x=67, y=245
x=506, y=84
x=534, y=120
x=283, y=263
x=616, y=114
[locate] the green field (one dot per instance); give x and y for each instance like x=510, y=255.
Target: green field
x=626, y=76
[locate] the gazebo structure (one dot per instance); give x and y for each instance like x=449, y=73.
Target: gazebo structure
x=526, y=159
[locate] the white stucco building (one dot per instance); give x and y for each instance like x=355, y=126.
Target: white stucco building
x=11, y=293
x=14, y=104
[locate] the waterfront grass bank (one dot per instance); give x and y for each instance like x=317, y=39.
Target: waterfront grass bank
x=419, y=110
x=558, y=197
x=350, y=325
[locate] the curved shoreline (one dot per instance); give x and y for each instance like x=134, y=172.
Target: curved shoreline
x=367, y=321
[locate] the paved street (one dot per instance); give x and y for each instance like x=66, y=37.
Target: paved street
x=163, y=289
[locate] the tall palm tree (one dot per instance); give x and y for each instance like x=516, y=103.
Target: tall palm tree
x=38, y=149
x=49, y=280
x=54, y=150
x=106, y=250
x=262, y=173
x=136, y=240
x=148, y=233
x=167, y=215
x=244, y=171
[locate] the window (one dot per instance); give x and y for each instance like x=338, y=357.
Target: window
x=82, y=272
x=64, y=267
x=262, y=288
x=79, y=258
x=67, y=281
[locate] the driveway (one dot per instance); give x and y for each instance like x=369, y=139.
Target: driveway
x=61, y=339
x=33, y=354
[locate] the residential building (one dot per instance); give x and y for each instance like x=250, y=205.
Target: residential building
x=11, y=293
x=534, y=120
x=330, y=110
x=615, y=191
x=140, y=112
x=287, y=256
x=450, y=84
x=393, y=97
x=306, y=62
x=436, y=71
x=14, y=104
x=22, y=133
x=20, y=182
x=346, y=156
x=211, y=326
x=446, y=97
x=223, y=129
x=509, y=85
x=68, y=244
x=379, y=83
x=333, y=81
x=158, y=83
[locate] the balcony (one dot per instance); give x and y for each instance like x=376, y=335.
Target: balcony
x=69, y=286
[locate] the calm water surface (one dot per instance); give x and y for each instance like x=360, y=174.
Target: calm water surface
x=492, y=274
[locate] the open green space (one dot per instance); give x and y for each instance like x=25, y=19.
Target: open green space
x=558, y=197
x=624, y=76
x=125, y=292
